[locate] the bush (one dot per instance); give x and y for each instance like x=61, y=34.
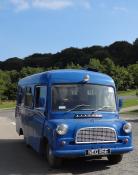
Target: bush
x=137, y=92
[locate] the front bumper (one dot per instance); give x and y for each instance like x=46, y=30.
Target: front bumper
x=79, y=150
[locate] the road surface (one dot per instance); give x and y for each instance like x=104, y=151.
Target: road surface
x=129, y=109
x=17, y=159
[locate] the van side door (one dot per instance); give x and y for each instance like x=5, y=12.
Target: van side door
x=27, y=114
x=39, y=117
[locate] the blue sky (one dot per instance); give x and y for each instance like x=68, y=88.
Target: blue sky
x=43, y=26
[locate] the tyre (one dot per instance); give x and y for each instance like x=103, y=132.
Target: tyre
x=25, y=141
x=114, y=159
x=53, y=161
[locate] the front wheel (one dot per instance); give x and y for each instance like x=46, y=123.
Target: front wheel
x=114, y=159
x=53, y=161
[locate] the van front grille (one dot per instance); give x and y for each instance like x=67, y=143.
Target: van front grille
x=96, y=135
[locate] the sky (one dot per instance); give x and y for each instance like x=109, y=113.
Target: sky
x=49, y=26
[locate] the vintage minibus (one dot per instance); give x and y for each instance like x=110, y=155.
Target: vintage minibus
x=71, y=114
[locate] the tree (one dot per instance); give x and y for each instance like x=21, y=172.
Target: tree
x=95, y=64
x=133, y=71
x=11, y=85
x=120, y=75
x=12, y=64
x=122, y=78
x=109, y=66
x=120, y=52
x=26, y=71
x=73, y=66
x=135, y=42
x=4, y=78
x=38, y=60
x=101, y=54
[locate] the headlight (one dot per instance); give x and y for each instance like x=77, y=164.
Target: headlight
x=127, y=128
x=62, y=129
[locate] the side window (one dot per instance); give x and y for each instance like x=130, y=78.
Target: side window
x=40, y=97
x=19, y=95
x=28, y=97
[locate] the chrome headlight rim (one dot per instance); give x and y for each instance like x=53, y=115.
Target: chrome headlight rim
x=62, y=129
x=127, y=128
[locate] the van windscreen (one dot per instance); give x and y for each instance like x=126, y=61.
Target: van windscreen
x=85, y=96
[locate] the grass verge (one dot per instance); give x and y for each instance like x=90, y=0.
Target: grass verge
x=7, y=104
x=126, y=93
x=130, y=102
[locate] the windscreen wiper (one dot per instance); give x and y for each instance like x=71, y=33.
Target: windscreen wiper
x=78, y=106
x=99, y=109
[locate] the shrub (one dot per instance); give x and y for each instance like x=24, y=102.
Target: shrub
x=137, y=92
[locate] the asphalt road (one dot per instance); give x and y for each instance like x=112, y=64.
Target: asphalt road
x=17, y=159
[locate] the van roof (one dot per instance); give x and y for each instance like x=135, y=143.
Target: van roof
x=67, y=76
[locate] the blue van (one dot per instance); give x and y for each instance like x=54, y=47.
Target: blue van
x=72, y=114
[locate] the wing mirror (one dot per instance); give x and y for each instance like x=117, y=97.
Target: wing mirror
x=120, y=104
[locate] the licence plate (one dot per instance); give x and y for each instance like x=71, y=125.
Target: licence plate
x=94, y=152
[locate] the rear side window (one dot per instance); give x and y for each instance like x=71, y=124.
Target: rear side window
x=19, y=95
x=40, y=97
x=28, y=97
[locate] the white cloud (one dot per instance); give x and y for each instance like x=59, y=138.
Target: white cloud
x=52, y=4
x=20, y=4
x=120, y=9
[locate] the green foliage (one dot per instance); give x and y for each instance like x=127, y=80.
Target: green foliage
x=125, y=78
x=135, y=42
x=133, y=70
x=52, y=68
x=119, y=60
x=4, y=79
x=29, y=71
x=9, y=80
x=122, y=53
x=137, y=92
x=109, y=67
x=12, y=64
x=73, y=66
x=96, y=64
x=122, y=78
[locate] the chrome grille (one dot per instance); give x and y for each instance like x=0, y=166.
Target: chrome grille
x=96, y=135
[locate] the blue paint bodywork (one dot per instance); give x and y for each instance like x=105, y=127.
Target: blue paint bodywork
x=38, y=126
